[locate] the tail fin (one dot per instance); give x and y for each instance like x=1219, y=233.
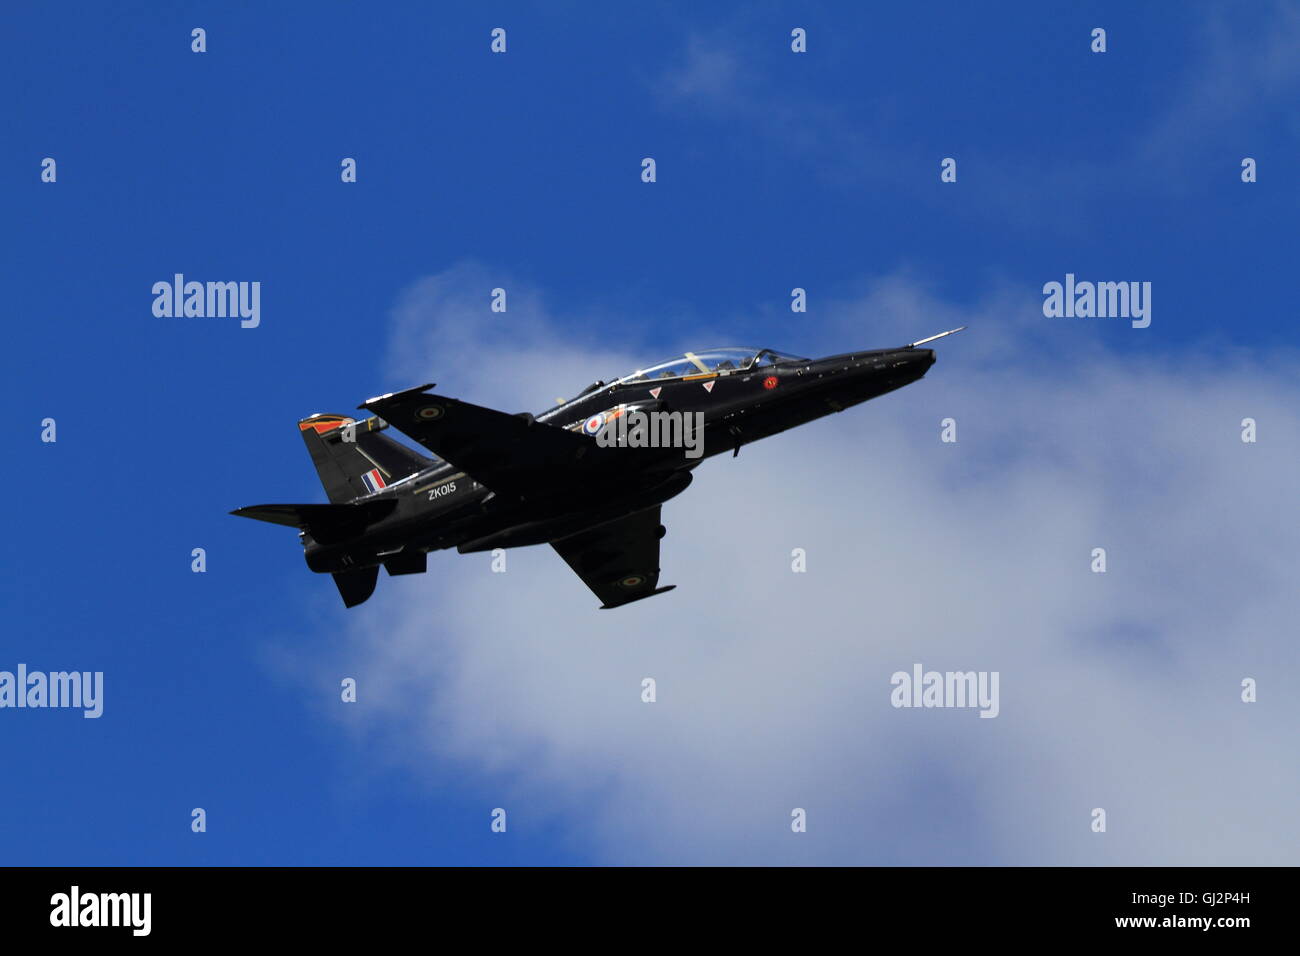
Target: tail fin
x=353, y=459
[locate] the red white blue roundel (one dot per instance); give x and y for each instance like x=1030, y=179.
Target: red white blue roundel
x=593, y=424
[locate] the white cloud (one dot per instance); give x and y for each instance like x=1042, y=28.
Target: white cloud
x=725, y=80
x=1238, y=81
x=1246, y=70
x=708, y=73
x=1118, y=690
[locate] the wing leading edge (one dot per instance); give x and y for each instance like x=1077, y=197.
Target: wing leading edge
x=507, y=453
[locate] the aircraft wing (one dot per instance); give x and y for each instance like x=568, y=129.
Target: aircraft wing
x=618, y=560
x=510, y=454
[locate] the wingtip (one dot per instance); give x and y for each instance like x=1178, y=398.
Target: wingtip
x=406, y=391
x=639, y=597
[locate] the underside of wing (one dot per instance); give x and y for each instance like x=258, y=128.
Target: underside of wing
x=618, y=560
x=507, y=453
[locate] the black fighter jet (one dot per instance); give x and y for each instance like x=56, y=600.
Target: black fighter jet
x=587, y=477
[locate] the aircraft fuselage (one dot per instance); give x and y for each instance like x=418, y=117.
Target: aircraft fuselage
x=443, y=507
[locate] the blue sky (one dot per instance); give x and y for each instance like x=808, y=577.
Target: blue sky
x=775, y=170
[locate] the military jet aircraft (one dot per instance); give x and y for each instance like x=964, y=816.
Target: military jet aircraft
x=574, y=477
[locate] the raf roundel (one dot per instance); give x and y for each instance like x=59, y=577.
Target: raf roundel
x=592, y=424
x=429, y=413
x=632, y=581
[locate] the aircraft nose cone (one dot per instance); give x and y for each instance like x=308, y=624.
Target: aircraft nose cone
x=917, y=361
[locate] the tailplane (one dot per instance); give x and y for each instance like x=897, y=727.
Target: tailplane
x=355, y=463
x=327, y=524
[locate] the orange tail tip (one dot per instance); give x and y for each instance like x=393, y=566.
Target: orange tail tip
x=324, y=423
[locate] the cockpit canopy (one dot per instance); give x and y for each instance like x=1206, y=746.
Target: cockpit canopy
x=714, y=360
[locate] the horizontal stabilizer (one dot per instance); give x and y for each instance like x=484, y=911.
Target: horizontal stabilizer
x=328, y=524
